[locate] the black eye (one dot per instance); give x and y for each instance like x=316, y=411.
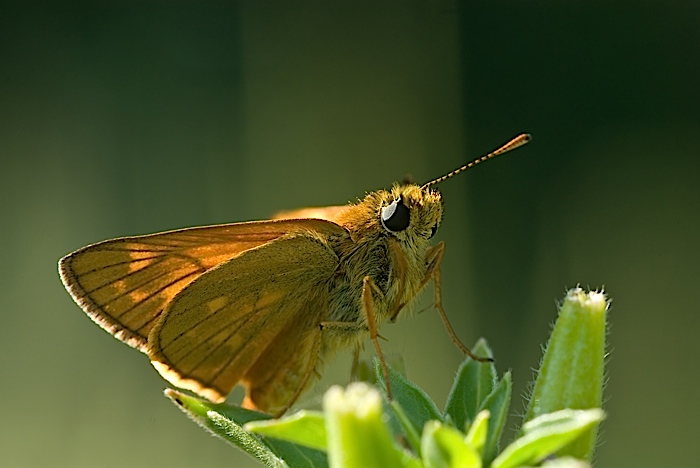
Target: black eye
x=396, y=216
x=433, y=231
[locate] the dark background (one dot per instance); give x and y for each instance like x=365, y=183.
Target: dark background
x=128, y=118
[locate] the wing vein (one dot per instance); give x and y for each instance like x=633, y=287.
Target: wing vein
x=146, y=282
x=233, y=356
x=228, y=337
x=155, y=293
x=113, y=280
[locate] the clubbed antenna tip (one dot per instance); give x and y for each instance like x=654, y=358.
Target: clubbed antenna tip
x=516, y=142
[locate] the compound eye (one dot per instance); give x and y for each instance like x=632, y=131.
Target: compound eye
x=396, y=216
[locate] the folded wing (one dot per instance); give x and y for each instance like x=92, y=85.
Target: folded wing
x=125, y=284
x=252, y=315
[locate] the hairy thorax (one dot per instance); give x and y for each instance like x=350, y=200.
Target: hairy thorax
x=395, y=264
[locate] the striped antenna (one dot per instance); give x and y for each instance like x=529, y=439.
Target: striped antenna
x=516, y=142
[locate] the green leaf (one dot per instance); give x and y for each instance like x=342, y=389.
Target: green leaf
x=358, y=436
x=563, y=419
x=572, y=370
x=223, y=427
x=417, y=405
x=307, y=428
x=546, y=434
x=226, y=421
x=476, y=435
x=412, y=436
x=497, y=403
x=443, y=446
x=364, y=372
x=205, y=414
x=474, y=382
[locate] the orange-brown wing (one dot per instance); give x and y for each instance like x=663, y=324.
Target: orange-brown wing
x=329, y=213
x=220, y=325
x=125, y=284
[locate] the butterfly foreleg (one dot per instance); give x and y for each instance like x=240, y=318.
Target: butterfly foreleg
x=433, y=260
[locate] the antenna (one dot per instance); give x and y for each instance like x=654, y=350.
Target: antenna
x=516, y=142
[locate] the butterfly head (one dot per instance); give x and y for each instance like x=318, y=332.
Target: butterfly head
x=406, y=213
x=409, y=212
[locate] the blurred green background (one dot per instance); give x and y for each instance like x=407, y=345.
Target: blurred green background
x=127, y=118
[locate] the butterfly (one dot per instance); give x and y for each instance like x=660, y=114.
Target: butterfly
x=260, y=303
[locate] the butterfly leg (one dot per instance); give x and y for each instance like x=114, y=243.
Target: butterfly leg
x=368, y=308
x=433, y=260
x=368, y=287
